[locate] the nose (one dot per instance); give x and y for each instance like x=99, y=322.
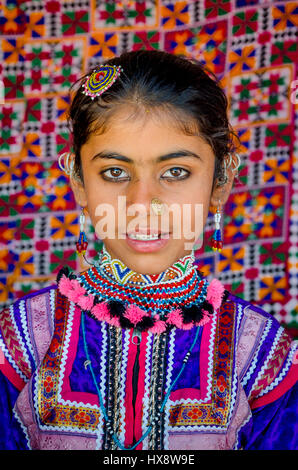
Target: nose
x=140, y=209
x=141, y=193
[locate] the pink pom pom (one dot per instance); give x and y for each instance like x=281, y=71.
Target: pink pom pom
x=86, y=302
x=76, y=295
x=215, y=292
x=101, y=311
x=114, y=321
x=158, y=327
x=135, y=314
x=204, y=320
x=71, y=288
x=175, y=318
x=65, y=285
x=187, y=326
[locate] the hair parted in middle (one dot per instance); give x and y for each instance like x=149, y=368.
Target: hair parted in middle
x=157, y=81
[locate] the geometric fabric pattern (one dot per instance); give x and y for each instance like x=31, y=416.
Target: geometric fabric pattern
x=250, y=45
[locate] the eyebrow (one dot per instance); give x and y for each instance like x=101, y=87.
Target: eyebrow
x=162, y=158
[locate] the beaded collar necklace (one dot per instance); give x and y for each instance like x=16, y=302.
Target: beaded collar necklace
x=186, y=301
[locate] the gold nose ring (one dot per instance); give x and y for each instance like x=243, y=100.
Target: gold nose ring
x=157, y=206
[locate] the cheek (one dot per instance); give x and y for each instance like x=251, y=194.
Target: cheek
x=106, y=215
x=99, y=194
x=198, y=199
x=195, y=217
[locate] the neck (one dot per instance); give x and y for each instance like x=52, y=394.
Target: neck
x=118, y=271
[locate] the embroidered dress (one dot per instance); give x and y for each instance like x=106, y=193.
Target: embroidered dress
x=112, y=359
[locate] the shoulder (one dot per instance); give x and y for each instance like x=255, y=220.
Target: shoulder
x=252, y=320
x=255, y=326
x=26, y=326
x=248, y=308
x=265, y=352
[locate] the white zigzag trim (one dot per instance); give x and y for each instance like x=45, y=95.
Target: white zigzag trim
x=235, y=378
x=103, y=361
x=239, y=316
x=234, y=388
x=35, y=374
x=122, y=383
x=171, y=349
x=236, y=445
x=52, y=309
x=67, y=429
x=146, y=396
x=34, y=387
x=255, y=360
x=24, y=324
x=216, y=429
x=23, y=427
x=264, y=367
x=171, y=343
x=284, y=371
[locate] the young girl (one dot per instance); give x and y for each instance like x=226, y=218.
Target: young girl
x=140, y=351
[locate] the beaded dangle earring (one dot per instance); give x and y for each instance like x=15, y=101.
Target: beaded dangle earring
x=82, y=242
x=216, y=241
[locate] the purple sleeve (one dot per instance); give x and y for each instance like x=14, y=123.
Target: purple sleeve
x=12, y=436
x=273, y=426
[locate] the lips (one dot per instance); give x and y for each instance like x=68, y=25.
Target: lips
x=148, y=246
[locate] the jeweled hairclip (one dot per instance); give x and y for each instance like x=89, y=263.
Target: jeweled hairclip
x=101, y=79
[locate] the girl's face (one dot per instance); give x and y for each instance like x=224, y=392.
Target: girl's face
x=126, y=161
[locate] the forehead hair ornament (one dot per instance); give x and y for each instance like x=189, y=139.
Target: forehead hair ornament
x=100, y=80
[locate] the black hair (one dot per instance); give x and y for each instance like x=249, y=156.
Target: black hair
x=157, y=80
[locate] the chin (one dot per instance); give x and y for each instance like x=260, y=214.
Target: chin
x=147, y=264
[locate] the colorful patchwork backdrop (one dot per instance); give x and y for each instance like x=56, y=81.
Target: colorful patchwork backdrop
x=251, y=45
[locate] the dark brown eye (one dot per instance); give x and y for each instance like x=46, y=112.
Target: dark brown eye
x=176, y=174
x=114, y=174
x=175, y=171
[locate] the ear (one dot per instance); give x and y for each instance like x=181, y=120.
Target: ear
x=220, y=194
x=78, y=189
